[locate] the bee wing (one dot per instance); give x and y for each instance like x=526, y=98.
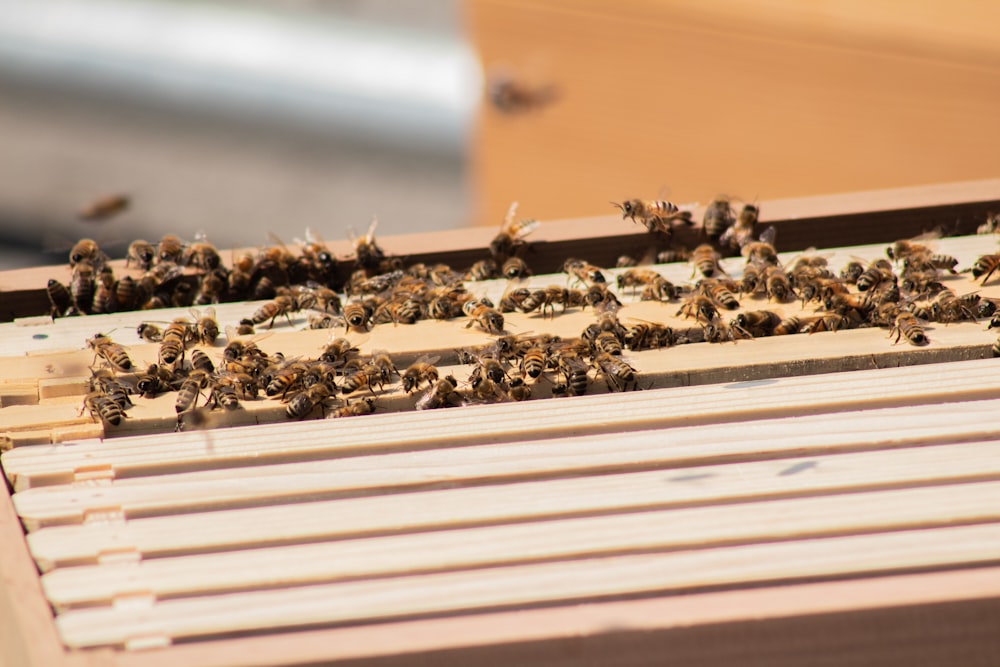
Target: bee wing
x=370, y=234
x=427, y=359
x=508, y=220
x=768, y=235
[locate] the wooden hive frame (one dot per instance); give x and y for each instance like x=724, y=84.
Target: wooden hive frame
x=555, y=542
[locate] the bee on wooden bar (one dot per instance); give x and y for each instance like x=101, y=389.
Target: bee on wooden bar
x=741, y=232
x=338, y=351
x=599, y=296
x=644, y=335
x=511, y=235
x=908, y=326
x=380, y=368
x=878, y=271
x=720, y=291
x=399, y=310
x=156, y=380
x=583, y=271
x=700, y=308
x=190, y=390
x=761, y=251
x=481, y=312
x=484, y=269
x=442, y=394
x=205, y=328
x=368, y=255
x=201, y=254
x=777, y=284
x=827, y=322
x=86, y=253
x=656, y=215
x=103, y=408
x=362, y=406
x=519, y=390
x=82, y=288
x=420, y=371
x=637, y=277
x=170, y=249
x=279, y=306
x=307, y=400
x=705, y=260
x=617, y=373
x=718, y=217
x=535, y=360
x=758, y=323
x=59, y=297
x=201, y=362
x=789, y=325
x=358, y=315
x=104, y=208
x=947, y=307
x=515, y=268
x=985, y=266
x=142, y=253
x=113, y=353
x=921, y=281
x=284, y=378
x=174, y=341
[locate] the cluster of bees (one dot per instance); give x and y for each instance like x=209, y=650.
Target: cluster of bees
x=899, y=293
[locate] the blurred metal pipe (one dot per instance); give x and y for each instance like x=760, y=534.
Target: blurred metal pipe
x=317, y=73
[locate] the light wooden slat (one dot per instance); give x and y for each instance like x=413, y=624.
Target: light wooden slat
x=106, y=531
x=677, y=448
x=528, y=585
x=453, y=550
x=278, y=443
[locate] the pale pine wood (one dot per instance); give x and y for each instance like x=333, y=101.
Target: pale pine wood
x=555, y=540
x=528, y=585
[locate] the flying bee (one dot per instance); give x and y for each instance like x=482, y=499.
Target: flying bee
x=515, y=268
x=758, y=323
x=59, y=296
x=113, y=353
x=908, y=326
x=358, y=315
x=705, y=260
x=511, y=236
x=617, y=373
x=282, y=305
x=985, y=266
x=583, y=271
x=104, y=208
x=368, y=255
x=201, y=254
x=307, y=400
x=170, y=249
x=718, y=217
x=103, y=408
x=420, y=371
x=362, y=406
x=761, y=251
x=190, y=390
x=656, y=215
x=87, y=253
x=479, y=312
x=442, y=394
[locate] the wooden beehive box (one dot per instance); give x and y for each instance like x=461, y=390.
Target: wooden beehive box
x=777, y=501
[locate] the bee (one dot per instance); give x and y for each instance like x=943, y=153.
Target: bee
x=985, y=266
x=488, y=366
x=205, y=328
x=420, y=371
x=583, y=271
x=676, y=254
x=878, y=272
x=758, y=323
x=190, y=390
x=761, y=251
x=907, y=326
x=534, y=360
x=304, y=402
x=338, y=352
x=245, y=328
x=514, y=298
x=156, y=380
x=318, y=258
x=995, y=348
x=626, y=261
x=103, y=408
x=202, y=362
x=921, y=281
x=360, y=283
x=480, y=312
x=741, y=232
x=358, y=380
x=403, y=309
x=442, y=394
x=104, y=208
x=510, y=96
x=949, y=307
x=718, y=217
x=279, y=306
x=599, y=296
x=851, y=272
x=986, y=307
x=484, y=269
x=720, y=291
x=617, y=373
x=142, y=253
x=363, y=406
x=358, y=315
x=884, y=315
x=777, y=284
x=511, y=236
x=699, y=307
x=844, y=304
x=87, y=253
x=656, y=215
x=323, y=321
x=243, y=384
x=519, y=390
x=486, y=390
x=113, y=353
x=991, y=226
x=212, y=287
x=368, y=255
x=126, y=293
x=575, y=373
x=649, y=336
x=175, y=340
x=170, y=249
x=81, y=288
x=149, y=332
x=828, y=322
x=59, y=296
x=201, y=254
x=515, y=268
x=635, y=277
x=789, y=325
x=659, y=290
x=705, y=260
x=380, y=368
x=607, y=342
x=223, y=395
x=284, y=378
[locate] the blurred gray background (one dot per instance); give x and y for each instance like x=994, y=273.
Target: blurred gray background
x=231, y=120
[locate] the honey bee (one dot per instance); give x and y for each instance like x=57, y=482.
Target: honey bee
x=511, y=236
x=519, y=390
x=399, y=310
x=583, y=271
x=718, y=217
x=201, y=254
x=88, y=254
x=656, y=215
x=985, y=266
x=202, y=362
x=741, y=232
x=170, y=249
x=149, y=331
x=700, y=308
x=991, y=226
x=510, y=96
x=442, y=394
x=480, y=312
x=761, y=251
x=282, y=305
x=59, y=296
x=307, y=400
x=777, y=284
x=949, y=307
x=205, y=327
x=659, y=290
x=420, y=371
x=81, y=288
x=113, y=353
x=103, y=408
x=380, y=368
x=338, y=351
x=637, y=277
x=921, y=281
x=362, y=406
x=367, y=253
x=617, y=373
x=828, y=322
x=190, y=390
x=142, y=253
x=878, y=272
x=534, y=360
x=284, y=378
x=104, y=208
x=575, y=373
x=358, y=315
x=156, y=380
x=675, y=254
x=484, y=269
x=644, y=335
x=757, y=323
x=908, y=326
x=126, y=293
x=789, y=325
x=720, y=291
x=607, y=342
x=995, y=348
x=488, y=366
x=174, y=341
x=599, y=296
x=705, y=260
x=515, y=268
